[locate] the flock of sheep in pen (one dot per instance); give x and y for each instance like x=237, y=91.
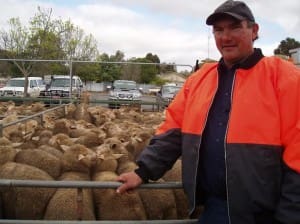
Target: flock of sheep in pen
x=90, y=143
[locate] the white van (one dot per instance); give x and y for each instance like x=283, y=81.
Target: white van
x=15, y=87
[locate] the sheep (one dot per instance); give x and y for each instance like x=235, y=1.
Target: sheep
x=24, y=203
x=43, y=137
x=174, y=174
x=78, y=158
x=112, y=129
x=7, y=151
x=112, y=206
x=40, y=159
x=126, y=164
x=138, y=142
x=106, y=159
x=77, y=161
x=101, y=148
x=159, y=203
x=81, y=112
x=12, y=128
x=90, y=139
x=61, y=126
x=37, y=107
x=70, y=110
x=60, y=139
x=160, y=206
x=64, y=204
x=100, y=115
x=80, y=128
x=20, y=131
x=51, y=150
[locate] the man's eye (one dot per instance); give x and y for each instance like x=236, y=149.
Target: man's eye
x=217, y=30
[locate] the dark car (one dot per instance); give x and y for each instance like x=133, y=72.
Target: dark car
x=166, y=94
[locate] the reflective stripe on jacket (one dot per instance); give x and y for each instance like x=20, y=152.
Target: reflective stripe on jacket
x=263, y=131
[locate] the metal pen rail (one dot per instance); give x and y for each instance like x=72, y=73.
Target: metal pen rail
x=185, y=221
x=90, y=184
x=38, y=115
x=59, y=101
x=82, y=184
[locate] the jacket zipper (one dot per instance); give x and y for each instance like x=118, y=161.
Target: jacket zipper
x=225, y=140
x=198, y=154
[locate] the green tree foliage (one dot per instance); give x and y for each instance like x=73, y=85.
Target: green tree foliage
x=141, y=70
x=286, y=45
x=147, y=72
x=109, y=69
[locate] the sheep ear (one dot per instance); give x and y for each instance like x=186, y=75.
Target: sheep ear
x=139, y=139
x=36, y=138
x=74, y=139
x=101, y=156
x=80, y=157
x=28, y=136
x=16, y=144
x=125, y=143
x=64, y=147
x=117, y=156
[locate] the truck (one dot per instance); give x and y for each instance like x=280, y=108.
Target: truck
x=60, y=87
x=15, y=87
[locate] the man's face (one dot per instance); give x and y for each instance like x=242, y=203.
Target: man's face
x=234, y=39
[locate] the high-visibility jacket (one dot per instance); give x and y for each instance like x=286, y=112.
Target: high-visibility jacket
x=262, y=142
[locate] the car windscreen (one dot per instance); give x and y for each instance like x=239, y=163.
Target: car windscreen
x=61, y=82
x=170, y=89
x=16, y=83
x=125, y=85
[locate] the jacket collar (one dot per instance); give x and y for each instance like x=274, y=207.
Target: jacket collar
x=252, y=60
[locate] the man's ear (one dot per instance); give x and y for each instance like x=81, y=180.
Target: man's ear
x=255, y=29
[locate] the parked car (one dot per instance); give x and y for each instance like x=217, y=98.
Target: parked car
x=166, y=94
x=123, y=92
x=15, y=87
x=60, y=86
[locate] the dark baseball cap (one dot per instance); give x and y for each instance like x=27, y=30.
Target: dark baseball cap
x=237, y=9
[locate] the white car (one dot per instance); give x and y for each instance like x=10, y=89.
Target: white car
x=15, y=87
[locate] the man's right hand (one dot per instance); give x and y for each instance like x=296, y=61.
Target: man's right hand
x=130, y=181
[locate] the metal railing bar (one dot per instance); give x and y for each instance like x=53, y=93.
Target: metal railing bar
x=183, y=221
x=33, y=116
x=82, y=184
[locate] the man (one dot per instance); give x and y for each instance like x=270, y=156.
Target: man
x=236, y=126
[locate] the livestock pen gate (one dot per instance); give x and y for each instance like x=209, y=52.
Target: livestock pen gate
x=79, y=185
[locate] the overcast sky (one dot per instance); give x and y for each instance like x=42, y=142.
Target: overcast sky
x=175, y=30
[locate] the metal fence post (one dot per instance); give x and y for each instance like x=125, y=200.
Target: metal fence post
x=1, y=130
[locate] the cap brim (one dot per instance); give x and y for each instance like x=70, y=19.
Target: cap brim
x=217, y=16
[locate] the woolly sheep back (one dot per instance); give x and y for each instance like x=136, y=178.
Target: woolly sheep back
x=24, y=203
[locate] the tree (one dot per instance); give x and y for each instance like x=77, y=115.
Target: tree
x=45, y=38
x=110, y=71
x=286, y=45
x=147, y=72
